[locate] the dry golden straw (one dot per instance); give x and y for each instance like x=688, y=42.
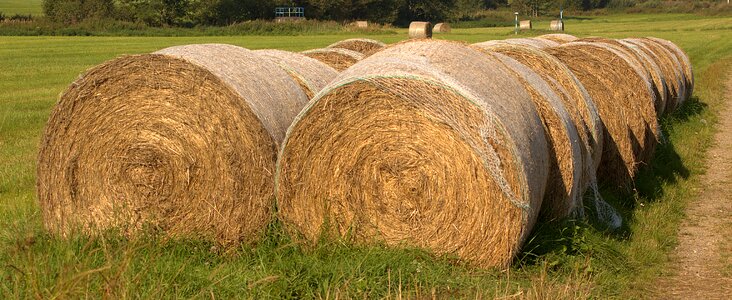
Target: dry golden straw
x=685, y=66
x=397, y=151
x=311, y=74
x=648, y=65
x=670, y=68
x=624, y=101
x=182, y=141
x=338, y=58
x=363, y=46
x=583, y=114
x=560, y=38
x=420, y=30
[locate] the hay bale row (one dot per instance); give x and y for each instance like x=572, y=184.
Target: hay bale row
x=338, y=58
x=431, y=144
x=183, y=141
x=527, y=42
x=560, y=38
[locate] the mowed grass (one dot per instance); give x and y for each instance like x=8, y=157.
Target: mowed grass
x=23, y=7
x=568, y=259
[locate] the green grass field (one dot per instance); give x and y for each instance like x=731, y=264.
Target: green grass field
x=567, y=259
x=23, y=7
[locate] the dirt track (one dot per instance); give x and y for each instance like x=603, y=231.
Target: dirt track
x=697, y=261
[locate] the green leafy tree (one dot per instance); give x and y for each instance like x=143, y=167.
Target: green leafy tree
x=73, y=11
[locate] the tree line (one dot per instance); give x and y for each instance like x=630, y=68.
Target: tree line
x=225, y=12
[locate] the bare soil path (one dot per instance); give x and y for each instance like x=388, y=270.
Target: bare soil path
x=699, y=270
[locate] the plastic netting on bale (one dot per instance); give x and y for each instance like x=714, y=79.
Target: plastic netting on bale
x=311, y=74
x=182, y=141
x=685, y=63
x=581, y=110
x=426, y=143
x=338, y=58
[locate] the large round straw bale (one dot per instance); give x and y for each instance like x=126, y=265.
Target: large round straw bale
x=420, y=30
x=531, y=42
x=577, y=103
x=182, y=141
x=442, y=28
x=685, y=65
x=363, y=46
x=311, y=74
x=621, y=95
x=362, y=24
x=397, y=151
x=556, y=25
x=671, y=69
x=338, y=58
x=525, y=25
x=655, y=76
x=563, y=196
x=558, y=37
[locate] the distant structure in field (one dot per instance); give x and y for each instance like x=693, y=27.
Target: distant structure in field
x=285, y=14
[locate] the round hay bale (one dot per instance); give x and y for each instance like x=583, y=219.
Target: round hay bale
x=651, y=69
x=442, y=28
x=362, y=24
x=530, y=42
x=420, y=30
x=556, y=25
x=670, y=68
x=363, y=46
x=181, y=141
x=311, y=74
x=396, y=151
x=581, y=110
x=525, y=25
x=338, y=58
x=563, y=196
x=685, y=66
x=560, y=38
x=621, y=96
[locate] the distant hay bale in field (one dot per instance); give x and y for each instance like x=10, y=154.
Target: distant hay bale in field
x=311, y=74
x=525, y=25
x=650, y=68
x=338, y=58
x=420, y=30
x=531, y=42
x=556, y=25
x=363, y=46
x=442, y=28
x=181, y=141
x=685, y=66
x=670, y=68
x=560, y=38
x=623, y=98
x=581, y=110
x=397, y=151
x=362, y=24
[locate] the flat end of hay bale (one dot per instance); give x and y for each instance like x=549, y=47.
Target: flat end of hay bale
x=525, y=25
x=420, y=30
